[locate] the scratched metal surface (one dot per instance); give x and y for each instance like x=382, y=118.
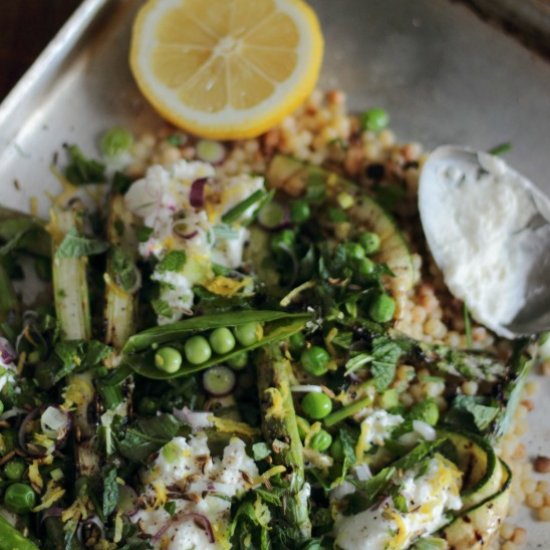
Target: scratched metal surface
x=444, y=75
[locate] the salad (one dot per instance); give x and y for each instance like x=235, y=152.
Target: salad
x=226, y=358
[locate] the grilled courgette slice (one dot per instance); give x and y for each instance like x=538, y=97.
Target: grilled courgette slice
x=365, y=214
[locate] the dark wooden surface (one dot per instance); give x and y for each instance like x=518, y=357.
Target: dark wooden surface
x=26, y=27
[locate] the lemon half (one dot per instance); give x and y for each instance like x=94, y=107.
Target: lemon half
x=226, y=69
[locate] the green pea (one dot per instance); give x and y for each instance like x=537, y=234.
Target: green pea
x=148, y=405
x=300, y=211
x=365, y=268
x=19, y=498
x=354, y=251
x=303, y=426
x=382, y=308
x=247, y=334
x=374, y=120
x=116, y=141
x=297, y=342
x=239, y=361
x=315, y=360
x=427, y=411
x=197, y=350
x=316, y=405
x=1, y=406
x=321, y=441
x=337, y=450
x=14, y=470
x=389, y=399
x=219, y=380
x=370, y=242
x=283, y=239
x=169, y=359
x=222, y=340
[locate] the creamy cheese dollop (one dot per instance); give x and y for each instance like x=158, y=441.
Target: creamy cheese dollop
x=205, y=487
x=482, y=222
x=377, y=427
x=162, y=199
x=427, y=497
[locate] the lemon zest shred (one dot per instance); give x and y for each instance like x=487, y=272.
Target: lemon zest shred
x=276, y=409
x=233, y=426
x=273, y=471
x=225, y=286
x=53, y=494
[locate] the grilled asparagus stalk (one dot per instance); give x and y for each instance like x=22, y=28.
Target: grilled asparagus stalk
x=281, y=433
x=122, y=276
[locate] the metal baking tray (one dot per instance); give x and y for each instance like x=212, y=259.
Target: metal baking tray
x=443, y=74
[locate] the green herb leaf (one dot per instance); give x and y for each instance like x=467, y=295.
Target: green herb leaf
x=477, y=409
x=500, y=149
x=385, y=355
x=143, y=233
x=81, y=170
x=123, y=269
x=162, y=308
x=110, y=490
x=147, y=436
x=173, y=261
x=75, y=245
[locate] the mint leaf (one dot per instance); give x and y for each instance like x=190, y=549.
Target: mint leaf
x=385, y=355
x=82, y=170
x=123, y=269
x=162, y=308
x=477, y=408
x=173, y=261
x=75, y=245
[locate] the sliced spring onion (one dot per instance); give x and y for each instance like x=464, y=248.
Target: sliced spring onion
x=233, y=214
x=307, y=388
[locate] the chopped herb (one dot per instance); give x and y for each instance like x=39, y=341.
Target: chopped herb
x=82, y=170
x=144, y=233
x=500, y=149
x=75, y=245
x=173, y=261
x=162, y=308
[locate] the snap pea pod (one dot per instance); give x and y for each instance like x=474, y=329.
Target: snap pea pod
x=278, y=326
x=12, y=539
x=187, y=327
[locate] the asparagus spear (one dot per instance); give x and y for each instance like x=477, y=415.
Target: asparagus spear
x=122, y=276
x=281, y=433
x=72, y=305
x=72, y=302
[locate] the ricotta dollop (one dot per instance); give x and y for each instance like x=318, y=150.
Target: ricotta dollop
x=204, y=487
x=427, y=497
x=162, y=199
x=482, y=221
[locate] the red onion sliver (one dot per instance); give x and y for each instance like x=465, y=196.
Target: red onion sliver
x=199, y=519
x=7, y=353
x=196, y=195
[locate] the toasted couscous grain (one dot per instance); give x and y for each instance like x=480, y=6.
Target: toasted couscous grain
x=322, y=132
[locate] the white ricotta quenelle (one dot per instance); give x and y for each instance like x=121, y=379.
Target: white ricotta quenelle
x=487, y=229
x=181, y=215
x=200, y=489
x=425, y=499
